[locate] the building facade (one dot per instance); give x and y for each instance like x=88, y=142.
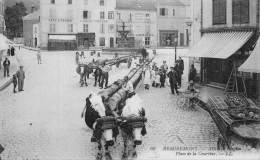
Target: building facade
x=31, y=29
x=173, y=18
x=138, y=20
x=2, y=12
x=224, y=33
x=71, y=24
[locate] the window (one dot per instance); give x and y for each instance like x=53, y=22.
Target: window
x=111, y=28
x=147, y=15
x=173, y=12
x=52, y=28
x=70, y=28
x=240, y=11
x=147, y=41
x=85, y=28
x=163, y=12
x=102, y=28
x=102, y=41
x=219, y=12
x=52, y=1
x=86, y=15
x=102, y=15
x=118, y=16
x=69, y=1
x=110, y=15
x=102, y=2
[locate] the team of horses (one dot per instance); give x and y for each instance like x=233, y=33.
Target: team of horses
x=114, y=112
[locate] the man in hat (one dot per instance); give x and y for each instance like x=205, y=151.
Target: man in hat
x=105, y=69
x=21, y=76
x=173, y=80
x=6, y=65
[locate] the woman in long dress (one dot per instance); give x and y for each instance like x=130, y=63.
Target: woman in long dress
x=147, y=78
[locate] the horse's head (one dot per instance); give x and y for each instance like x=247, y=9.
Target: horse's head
x=133, y=108
x=95, y=101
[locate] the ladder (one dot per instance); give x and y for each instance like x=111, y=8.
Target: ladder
x=232, y=84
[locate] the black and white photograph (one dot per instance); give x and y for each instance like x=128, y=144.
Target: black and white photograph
x=129, y=79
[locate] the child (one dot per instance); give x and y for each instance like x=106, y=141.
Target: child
x=162, y=77
x=14, y=83
x=157, y=79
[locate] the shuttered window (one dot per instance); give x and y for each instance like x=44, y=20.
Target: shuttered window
x=219, y=12
x=240, y=11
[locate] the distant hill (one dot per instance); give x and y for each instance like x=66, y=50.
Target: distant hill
x=28, y=3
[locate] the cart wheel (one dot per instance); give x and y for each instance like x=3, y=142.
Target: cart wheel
x=221, y=144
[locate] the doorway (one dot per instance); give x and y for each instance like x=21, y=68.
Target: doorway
x=111, y=42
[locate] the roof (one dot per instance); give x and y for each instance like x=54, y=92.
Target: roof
x=147, y=5
x=32, y=16
x=171, y=2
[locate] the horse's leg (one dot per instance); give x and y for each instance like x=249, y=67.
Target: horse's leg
x=134, y=155
x=107, y=153
x=100, y=152
x=125, y=155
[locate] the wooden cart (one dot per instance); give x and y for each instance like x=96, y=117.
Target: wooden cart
x=218, y=110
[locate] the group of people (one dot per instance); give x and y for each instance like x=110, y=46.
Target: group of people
x=156, y=76
x=101, y=73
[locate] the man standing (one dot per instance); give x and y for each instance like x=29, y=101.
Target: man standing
x=192, y=74
x=105, y=69
x=6, y=65
x=180, y=69
x=173, y=80
x=39, y=57
x=164, y=67
x=21, y=76
x=12, y=51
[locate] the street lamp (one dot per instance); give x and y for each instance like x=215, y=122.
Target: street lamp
x=175, y=46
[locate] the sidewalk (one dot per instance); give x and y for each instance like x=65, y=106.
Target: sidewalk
x=6, y=81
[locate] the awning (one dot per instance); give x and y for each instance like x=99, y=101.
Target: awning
x=62, y=37
x=219, y=45
x=252, y=64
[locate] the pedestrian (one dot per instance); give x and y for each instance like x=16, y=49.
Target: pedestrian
x=21, y=76
x=192, y=73
x=12, y=51
x=164, y=67
x=98, y=75
x=105, y=70
x=6, y=65
x=153, y=77
x=82, y=54
x=9, y=51
x=144, y=53
x=39, y=57
x=180, y=70
x=14, y=80
x=162, y=78
x=157, y=79
x=147, y=78
x=77, y=58
x=173, y=80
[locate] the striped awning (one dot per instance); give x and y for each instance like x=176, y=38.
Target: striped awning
x=252, y=63
x=219, y=45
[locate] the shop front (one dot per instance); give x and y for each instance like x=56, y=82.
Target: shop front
x=62, y=42
x=167, y=37
x=85, y=40
x=221, y=54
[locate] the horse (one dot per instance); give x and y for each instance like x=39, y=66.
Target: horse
x=96, y=117
x=133, y=124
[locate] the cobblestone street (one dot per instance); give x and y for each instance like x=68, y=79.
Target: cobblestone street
x=43, y=122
